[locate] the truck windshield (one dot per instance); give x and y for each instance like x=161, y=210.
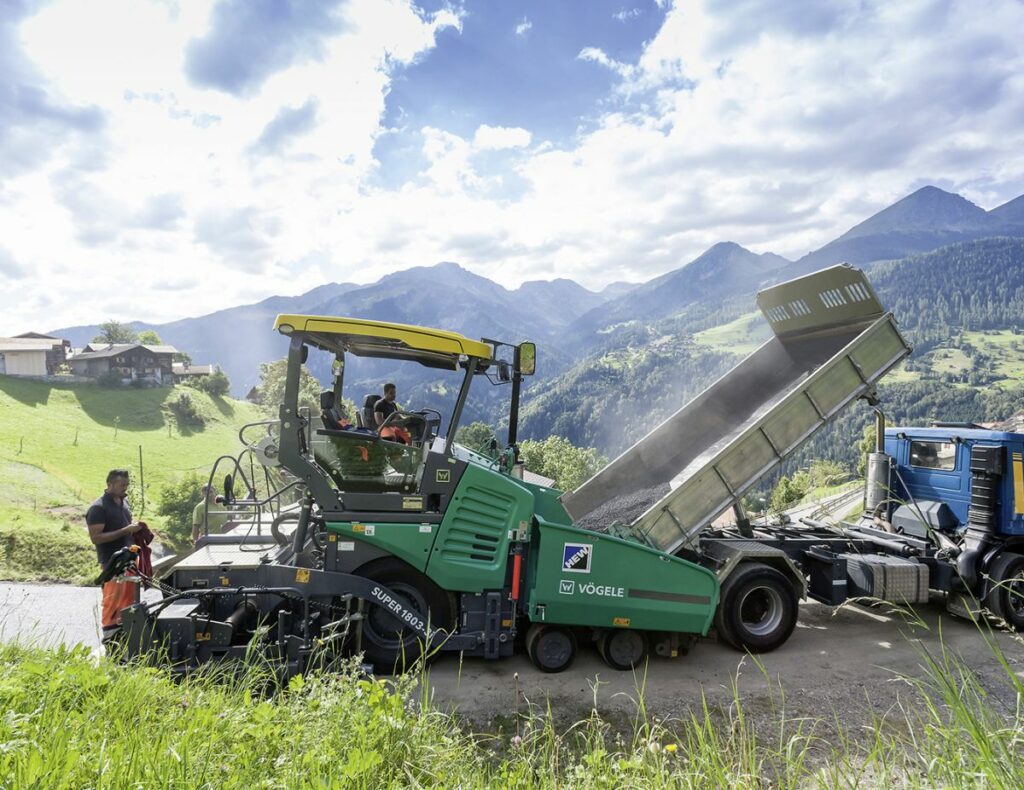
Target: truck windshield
x=933, y=455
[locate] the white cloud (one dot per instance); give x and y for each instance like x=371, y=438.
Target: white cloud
x=625, y=14
x=524, y=27
x=493, y=138
x=170, y=182
x=773, y=128
x=595, y=55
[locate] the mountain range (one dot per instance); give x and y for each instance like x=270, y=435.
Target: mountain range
x=569, y=322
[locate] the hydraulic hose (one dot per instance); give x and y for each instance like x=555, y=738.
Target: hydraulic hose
x=275, y=526
x=299, y=538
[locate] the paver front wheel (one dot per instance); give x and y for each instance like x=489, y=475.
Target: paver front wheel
x=552, y=648
x=758, y=608
x=387, y=643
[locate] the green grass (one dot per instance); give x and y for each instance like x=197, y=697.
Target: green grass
x=742, y=336
x=949, y=360
x=821, y=492
x=1007, y=351
x=57, y=443
x=70, y=721
x=900, y=375
x=42, y=534
x=1003, y=347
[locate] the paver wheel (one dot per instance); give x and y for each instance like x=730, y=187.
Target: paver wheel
x=387, y=643
x=552, y=648
x=623, y=649
x=758, y=609
x=1006, y=594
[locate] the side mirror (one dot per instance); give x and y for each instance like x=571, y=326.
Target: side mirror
x=503, y=371
x=229, y=488
x=526, y=358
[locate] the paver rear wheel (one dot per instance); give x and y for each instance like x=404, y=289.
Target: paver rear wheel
x=552, y=648
x=1006, y=595
x=623, y=649
x=758, y=608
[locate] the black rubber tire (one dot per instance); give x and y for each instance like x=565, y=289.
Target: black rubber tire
x=623, y=649
x=552, y=648
x=386, y=643
x=758, y=609
x=1005, y=598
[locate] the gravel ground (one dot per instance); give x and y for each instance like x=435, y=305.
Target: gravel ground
x=844, y=664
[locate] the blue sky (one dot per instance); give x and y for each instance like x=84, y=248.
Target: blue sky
x=164, y=158
x=501, y=69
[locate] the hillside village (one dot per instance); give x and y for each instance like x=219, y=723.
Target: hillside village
x=47, y=357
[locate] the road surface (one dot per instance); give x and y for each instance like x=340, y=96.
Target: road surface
x=847, y=662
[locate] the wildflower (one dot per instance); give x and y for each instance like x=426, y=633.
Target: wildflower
x=516, y=741
x=670, y=748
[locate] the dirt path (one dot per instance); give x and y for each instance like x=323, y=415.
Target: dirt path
x=845, y=663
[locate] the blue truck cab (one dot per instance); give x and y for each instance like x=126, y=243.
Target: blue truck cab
x=934, y=465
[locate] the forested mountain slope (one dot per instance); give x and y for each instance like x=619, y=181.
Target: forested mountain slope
x=967, y=298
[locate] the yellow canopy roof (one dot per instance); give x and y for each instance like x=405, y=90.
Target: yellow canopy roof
x=359, y=336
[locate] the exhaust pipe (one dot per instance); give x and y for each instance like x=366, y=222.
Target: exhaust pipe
x=877, y=485
x=987, y=469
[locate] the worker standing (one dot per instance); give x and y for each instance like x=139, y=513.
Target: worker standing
x=110, y=525
x=212, y=510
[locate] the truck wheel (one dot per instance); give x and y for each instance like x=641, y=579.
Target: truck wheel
x=758, y=609
x=551, y=648
x=1006, y=596
x=387, y=643
x=623, y=650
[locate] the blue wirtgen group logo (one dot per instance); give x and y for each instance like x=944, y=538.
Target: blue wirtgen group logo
x=576, y=557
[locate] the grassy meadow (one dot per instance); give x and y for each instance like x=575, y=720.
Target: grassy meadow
x=57, y=443
x=74, y=721
x=1001, y=351
x=742, y=336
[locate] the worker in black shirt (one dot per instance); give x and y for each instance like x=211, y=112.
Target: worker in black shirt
x=385, y=407
x=110, y=525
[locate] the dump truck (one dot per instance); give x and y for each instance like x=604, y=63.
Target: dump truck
x=952, y=497
x=404, y=549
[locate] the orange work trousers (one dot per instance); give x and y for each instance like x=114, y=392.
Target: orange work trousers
x=118, y=595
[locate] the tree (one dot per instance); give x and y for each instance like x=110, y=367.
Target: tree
x=788, y=491
x=177, y=501
x=115, y=332
x=216, y=384
x=864, y=446
x=271, y=387
x=558, y=458
x=150, y=338
x=824, y=473
x=475, y=436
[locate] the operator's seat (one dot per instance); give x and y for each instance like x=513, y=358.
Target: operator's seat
x=329, y=413
x=366, y=416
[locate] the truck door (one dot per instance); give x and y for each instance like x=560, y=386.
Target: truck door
x=938, y=469
x=1014, y=490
